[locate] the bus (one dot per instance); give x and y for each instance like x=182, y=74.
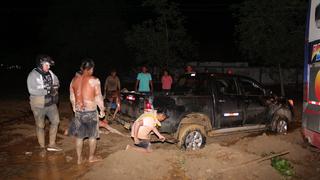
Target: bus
x=311, y=81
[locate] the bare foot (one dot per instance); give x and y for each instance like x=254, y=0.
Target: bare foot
x=95, y=159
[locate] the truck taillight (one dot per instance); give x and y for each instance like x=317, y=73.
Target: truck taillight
x=131, y=98
x=148, y=106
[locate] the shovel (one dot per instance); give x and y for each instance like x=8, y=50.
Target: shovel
x=169, y=140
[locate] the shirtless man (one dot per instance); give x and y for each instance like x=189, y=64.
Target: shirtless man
x=85, y=96
x=142, y=128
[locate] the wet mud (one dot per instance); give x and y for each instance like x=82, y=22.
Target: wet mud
x=26, y=160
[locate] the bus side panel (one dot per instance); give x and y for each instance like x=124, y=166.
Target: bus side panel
x=312, y=138
x=311, y=115
x=311, y=103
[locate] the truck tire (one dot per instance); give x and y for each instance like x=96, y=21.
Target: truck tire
x=280, y=125
x=191, y=137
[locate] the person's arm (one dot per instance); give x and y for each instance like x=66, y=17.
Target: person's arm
x=98, y=97
x=136, y=86
x=56, y=82
x=151, y=86
x=105, y=88
x=72, y=97
x=35, y=87
x=118, y=84
x=137, y=83
x=136, y=126
x=155, y=130
x=171, y=81
x=151, y=83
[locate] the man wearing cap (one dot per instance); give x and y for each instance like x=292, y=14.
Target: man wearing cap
x=43, y=87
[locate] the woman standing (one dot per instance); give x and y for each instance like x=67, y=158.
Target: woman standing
x=166, y=81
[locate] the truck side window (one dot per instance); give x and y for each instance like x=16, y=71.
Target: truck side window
x=250, y=88
x=225, y=86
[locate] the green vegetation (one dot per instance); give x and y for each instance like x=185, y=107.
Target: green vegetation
x=283, y=166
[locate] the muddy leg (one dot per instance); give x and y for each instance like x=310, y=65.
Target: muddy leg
x=92, y=147
x=39, y=115
x=40, y=136
x=53, y=116
x=79, y=145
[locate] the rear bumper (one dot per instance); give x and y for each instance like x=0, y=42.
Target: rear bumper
x=312, y=137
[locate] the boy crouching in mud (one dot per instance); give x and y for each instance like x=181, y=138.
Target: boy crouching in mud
x=142, y=128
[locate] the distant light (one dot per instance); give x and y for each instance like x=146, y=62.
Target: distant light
x=230, y=114
x=10, y=67
x=193, y=74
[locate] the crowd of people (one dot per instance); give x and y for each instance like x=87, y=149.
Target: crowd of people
x=89, y=107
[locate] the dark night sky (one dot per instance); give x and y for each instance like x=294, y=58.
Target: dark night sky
x=209, y=22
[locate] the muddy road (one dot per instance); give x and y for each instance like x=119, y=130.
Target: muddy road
x=21, y=158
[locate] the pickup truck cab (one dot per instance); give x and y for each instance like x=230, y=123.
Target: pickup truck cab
x=209, y=104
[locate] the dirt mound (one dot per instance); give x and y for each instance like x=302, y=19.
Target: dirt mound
x=266, y=144
x=132, y=165
x=211, y=162
x=226, y=163
x=299, y=155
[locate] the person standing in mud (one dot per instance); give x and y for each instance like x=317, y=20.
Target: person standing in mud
x=112, y=91
x=112, y=84
x=43, y=87
x=85, y=97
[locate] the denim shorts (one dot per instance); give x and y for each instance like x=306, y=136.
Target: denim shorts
x=84, y=124
x=143, y=144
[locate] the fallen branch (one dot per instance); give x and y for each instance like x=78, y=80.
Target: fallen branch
x=258, y=160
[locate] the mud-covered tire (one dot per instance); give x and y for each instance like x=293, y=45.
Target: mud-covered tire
x=191, y=137
x=280, y=125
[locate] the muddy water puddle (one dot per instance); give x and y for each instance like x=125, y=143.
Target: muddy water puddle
x=26, y=161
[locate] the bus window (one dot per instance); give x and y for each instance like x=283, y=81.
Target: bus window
x=317, y=16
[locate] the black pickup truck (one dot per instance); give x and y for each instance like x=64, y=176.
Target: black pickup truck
x=208, y=104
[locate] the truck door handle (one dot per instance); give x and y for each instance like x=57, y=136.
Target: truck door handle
x=221, y=101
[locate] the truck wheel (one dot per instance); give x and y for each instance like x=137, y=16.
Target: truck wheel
x=192, y=137
x=280, y=125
